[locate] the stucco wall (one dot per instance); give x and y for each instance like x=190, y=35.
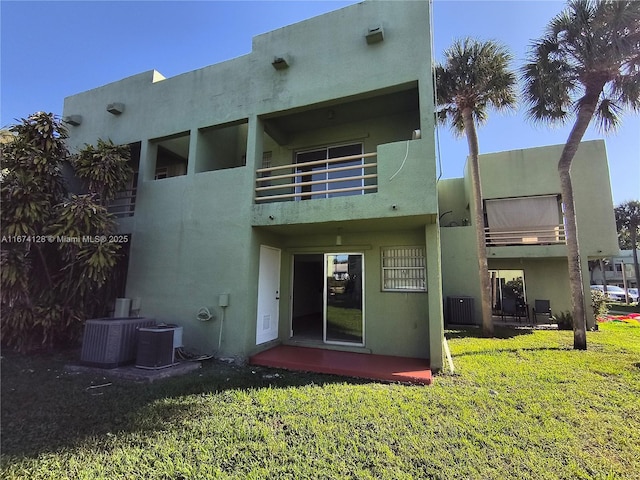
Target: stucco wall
x=533, y=171
x=188, y=248
x=460, y=266
x=530, y=172
x=329, y=59
x=396, y=323
x=452, y=202
x=544, y=278
x=192, y=236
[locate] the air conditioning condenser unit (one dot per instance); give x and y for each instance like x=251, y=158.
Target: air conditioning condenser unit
x=111, y=342
x=157, y=346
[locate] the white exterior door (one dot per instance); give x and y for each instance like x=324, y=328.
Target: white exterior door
x=268, y=294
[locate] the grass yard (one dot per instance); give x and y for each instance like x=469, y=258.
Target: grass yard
x=523, y=406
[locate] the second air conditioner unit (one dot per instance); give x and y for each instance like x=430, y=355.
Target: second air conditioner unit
x=157, y=346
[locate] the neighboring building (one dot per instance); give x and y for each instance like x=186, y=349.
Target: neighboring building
x=617, y=269
x=525, y=228
x=291, y=192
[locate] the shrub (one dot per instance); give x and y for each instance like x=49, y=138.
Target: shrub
x=56, y=270
x=599, y=303
x=565, y=321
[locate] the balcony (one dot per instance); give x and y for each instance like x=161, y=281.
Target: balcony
x=326, y=178
x=539, y=235
x=390, y=188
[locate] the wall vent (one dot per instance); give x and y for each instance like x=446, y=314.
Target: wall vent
x=111, y=342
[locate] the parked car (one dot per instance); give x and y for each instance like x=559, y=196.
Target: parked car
x=615, y=293
x=633, y=294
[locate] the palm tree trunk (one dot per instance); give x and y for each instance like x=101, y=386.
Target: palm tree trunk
x=585, y=113
x=478, y=220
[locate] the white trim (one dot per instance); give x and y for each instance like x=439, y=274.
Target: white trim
x=271, y=333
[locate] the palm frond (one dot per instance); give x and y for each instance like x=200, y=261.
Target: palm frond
x=626, y=88
x=475, y=76
x=607, y=115
x=590, y=48
x=548, y=81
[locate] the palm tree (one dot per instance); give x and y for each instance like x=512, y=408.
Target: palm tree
x=628, y=223
x=475, y=77
x=587, y=63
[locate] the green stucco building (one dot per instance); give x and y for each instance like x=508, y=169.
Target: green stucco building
x=292, y=192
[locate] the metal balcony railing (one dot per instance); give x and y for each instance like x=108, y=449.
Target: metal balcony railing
x=124, y=204
x=317, y=179
x=540, y=235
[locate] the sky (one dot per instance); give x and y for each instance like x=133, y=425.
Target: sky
x=51, y=49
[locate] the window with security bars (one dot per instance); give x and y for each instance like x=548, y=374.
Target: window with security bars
x=404, y=269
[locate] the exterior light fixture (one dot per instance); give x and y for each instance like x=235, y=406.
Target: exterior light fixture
x=115, y=108
x=74, y=120
x=375, y=35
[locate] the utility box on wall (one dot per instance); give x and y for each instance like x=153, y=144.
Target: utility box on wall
x=157, y=346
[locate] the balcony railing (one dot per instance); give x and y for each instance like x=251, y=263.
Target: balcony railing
x=317, y=179
x=542, y=235
x=124, y=204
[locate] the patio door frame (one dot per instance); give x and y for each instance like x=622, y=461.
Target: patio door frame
x=325, y=306
x=500, y=290
x=325, y=294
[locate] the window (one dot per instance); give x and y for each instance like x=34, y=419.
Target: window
x=403, y=269
x=515, y=213
x=524, y=220
x=323, y=177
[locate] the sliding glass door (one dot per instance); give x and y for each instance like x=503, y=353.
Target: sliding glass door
x=322, y=173
x=344, y=306
x=507, y=286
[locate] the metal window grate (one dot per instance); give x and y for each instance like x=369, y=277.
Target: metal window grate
x=266, y=163
x=404, y=269
x=266, y=160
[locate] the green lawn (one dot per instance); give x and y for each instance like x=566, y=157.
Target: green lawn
x=521, y=406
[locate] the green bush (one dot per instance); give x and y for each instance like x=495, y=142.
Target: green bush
x=564, y=321
x=55, y=269
x=599, y=303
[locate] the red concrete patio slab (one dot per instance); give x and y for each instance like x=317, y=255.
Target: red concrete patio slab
x=349, y=364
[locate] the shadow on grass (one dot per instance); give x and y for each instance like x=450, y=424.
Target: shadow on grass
x=512, y=350
x=454, y=331
x=45, y=408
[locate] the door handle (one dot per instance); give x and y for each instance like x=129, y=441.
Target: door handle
x=277, y=295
